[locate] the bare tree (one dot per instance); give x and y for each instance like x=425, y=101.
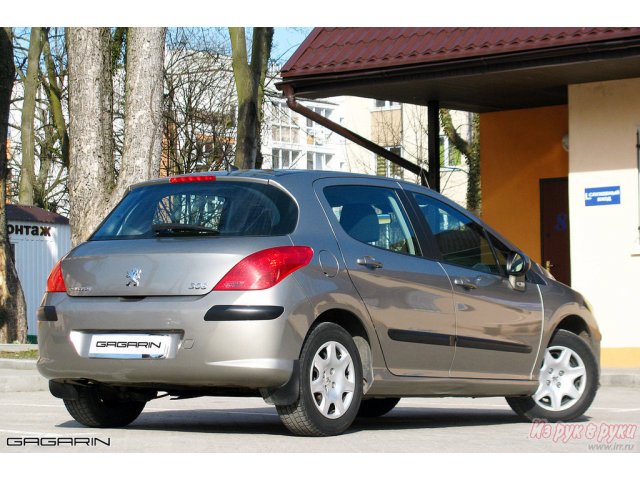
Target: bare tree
x=13, y=318
x=95, y=184
x=31, y=85
x=405, y=127
x=200, y=104
x=53, y=84
x=143, y=110
x=40, y=151
x=249, y=77
x=91, y=167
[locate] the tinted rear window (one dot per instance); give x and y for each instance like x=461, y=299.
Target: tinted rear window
x=223, y=208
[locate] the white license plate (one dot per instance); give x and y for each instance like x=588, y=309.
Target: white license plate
x=124, y=345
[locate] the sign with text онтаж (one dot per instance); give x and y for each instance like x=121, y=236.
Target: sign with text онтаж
x=601, y=196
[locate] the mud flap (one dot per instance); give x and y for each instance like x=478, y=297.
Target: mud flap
x=288, y=393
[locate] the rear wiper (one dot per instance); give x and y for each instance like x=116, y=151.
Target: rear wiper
x=177, y=228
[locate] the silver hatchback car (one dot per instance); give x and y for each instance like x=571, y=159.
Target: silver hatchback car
x=330, y=295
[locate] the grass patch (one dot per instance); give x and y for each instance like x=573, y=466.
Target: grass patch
x=24, y=355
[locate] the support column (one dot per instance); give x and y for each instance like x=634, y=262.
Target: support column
x=433, y=131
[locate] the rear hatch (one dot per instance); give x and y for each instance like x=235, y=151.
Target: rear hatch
x=179, y=238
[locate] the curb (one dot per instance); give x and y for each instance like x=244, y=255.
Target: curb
x=17, y=347
x=21, y=376
x=14, y=364
x=620, y=378
x=26, y=383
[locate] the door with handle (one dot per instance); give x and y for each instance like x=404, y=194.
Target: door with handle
x=370, y=262
x=408, y=296
x=465, y=283
x=498, y=327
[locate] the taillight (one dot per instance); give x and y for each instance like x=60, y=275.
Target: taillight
x=265, y=268
x=55, y=282
x=192, y=178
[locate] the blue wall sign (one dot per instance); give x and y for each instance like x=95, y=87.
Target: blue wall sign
x=601, y=196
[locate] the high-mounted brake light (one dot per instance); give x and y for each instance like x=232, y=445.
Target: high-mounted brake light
x=55, y=282
x=192, y=178
x=265, y=268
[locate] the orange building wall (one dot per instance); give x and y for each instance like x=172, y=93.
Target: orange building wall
x=517, y=149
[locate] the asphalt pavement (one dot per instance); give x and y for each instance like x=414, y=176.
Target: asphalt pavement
x=31, y=420
x=38, y=422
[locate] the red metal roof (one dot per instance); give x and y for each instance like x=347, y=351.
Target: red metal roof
x=335, y=50
x=29, y=213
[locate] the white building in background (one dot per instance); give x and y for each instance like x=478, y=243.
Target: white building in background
x=294, y=141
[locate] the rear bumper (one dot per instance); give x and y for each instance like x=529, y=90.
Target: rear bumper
x=251, y=373
x=206, y=351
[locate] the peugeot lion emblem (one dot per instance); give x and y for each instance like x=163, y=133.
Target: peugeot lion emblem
x=133, y=277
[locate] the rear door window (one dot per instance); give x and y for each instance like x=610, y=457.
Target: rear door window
x=216, y=208
x=373, y=215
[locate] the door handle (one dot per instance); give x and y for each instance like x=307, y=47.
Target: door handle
x=370, y=262
x=464, y=283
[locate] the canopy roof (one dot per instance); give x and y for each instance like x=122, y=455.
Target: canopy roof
x=474, y=69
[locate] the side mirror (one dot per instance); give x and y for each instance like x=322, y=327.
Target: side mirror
x=518, y=265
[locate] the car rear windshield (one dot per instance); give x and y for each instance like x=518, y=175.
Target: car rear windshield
x=215, y=208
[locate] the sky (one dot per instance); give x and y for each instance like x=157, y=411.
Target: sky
x=285, y=42
x=287, y=16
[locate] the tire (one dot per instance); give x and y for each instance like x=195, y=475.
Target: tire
x=377, y=407
x=330, y=384
x=92, y=410
x=568, y=382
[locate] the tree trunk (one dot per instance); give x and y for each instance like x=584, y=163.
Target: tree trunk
x=143, y=109
x=474, y=191
x=262, y=42
x=471, y=152
x=27, y=135
x=91, y=161
x=94, y=187
x=13, y=312
x=54, y=95
x=45, y=144
x=249, y=78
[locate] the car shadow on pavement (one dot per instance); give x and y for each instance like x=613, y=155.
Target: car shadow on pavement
x=242, y=420
x=436, y=417
x=439, y=417
x=265, y=420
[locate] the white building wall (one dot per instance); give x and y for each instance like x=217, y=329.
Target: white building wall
x=298, y=141
x=604, y=118
x=35, y=256
x=358, y=118
x=356, y=112
x=453, y=184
